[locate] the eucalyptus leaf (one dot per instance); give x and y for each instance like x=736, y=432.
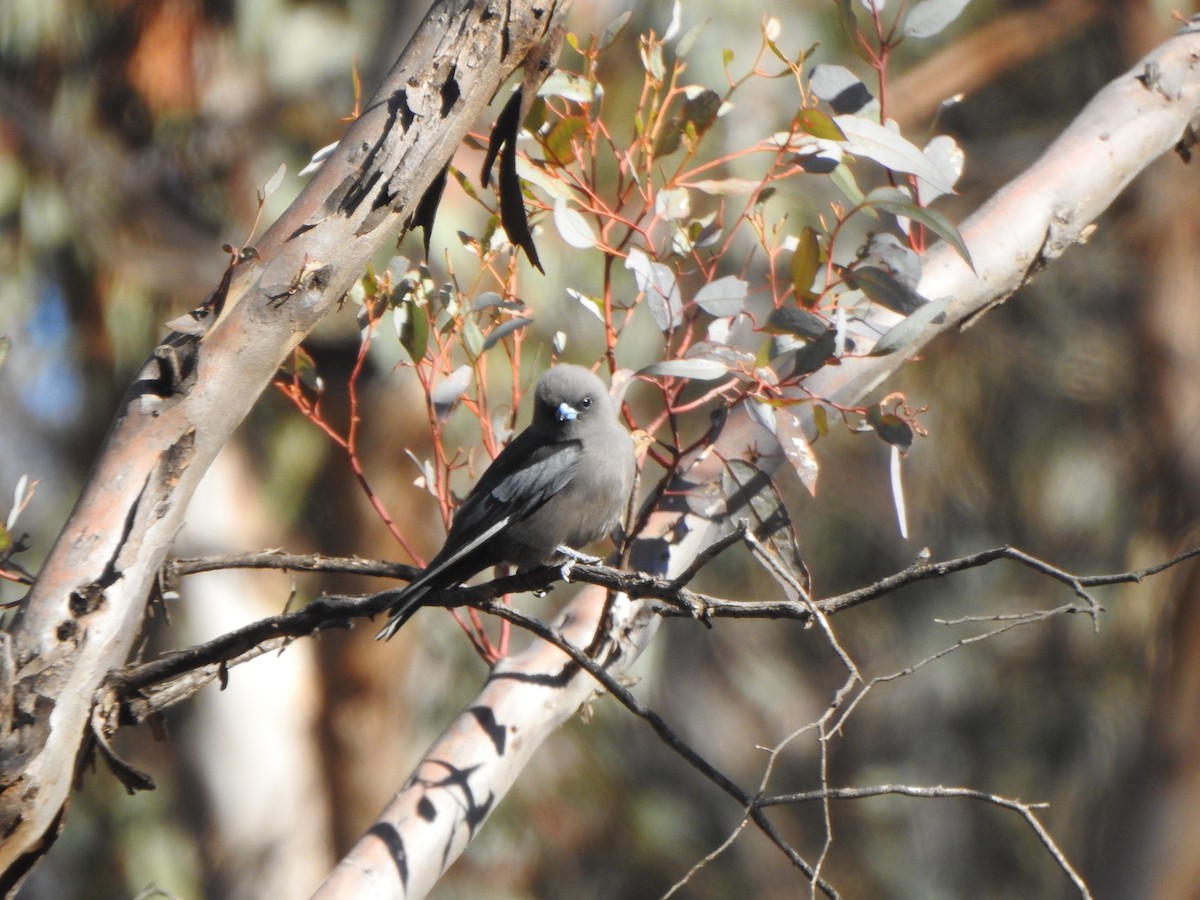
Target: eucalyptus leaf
x=273, y=183
x=797, y=322
x=695, y=369
x=573, y=227
x=806, y=261
x=657, y=282
x=449, y=391
x=886, y=289
x=789, y=431
x=902, y=334
x=723, y=297
x=899, y=204
x=890, y=149
x=929, y=17
x=503, y=330
x=413, y=328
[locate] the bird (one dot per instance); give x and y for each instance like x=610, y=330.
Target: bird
x=561, y=484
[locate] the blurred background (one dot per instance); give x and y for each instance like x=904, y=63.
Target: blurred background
x=133, y=137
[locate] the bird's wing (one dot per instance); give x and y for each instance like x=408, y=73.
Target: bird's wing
x=525, y=475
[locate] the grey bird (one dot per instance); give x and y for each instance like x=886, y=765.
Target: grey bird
x=561, y=484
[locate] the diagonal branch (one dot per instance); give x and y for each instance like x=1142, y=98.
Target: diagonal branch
x=1029, y=223
x=83, y=615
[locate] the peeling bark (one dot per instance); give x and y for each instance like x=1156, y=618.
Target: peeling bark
x=84, y=613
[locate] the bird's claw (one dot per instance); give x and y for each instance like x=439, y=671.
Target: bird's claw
x=574, y=556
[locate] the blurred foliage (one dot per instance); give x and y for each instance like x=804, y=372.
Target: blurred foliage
x=132, y=138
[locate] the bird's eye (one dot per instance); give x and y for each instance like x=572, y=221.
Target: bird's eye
x=586, y=402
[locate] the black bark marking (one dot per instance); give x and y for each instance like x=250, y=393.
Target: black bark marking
x=399, y=104
x=497, y=733
x=451, y=92
x=89, y=597
x=395, y=847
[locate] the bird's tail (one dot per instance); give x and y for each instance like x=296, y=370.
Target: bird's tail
x=407, y=601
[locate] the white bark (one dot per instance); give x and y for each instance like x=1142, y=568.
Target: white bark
x=1131, y=123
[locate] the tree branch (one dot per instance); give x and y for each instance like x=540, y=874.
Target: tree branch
x=83, y=615
x=1129, y=124
x=1024, y=810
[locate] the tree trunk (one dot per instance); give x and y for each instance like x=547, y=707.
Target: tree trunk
x=85, y=612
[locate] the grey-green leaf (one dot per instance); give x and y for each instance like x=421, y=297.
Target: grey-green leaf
x=902, y=334
x=695, y=369
x=723, y=297
x=929, y=17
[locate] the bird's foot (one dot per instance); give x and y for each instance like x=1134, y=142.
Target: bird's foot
x=573, y=556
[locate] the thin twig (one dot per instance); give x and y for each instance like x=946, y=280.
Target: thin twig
x=1025, y=810
x=664, y=731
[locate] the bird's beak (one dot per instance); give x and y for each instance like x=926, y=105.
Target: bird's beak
x=566, y=412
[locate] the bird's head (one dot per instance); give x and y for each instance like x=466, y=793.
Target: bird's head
x=568, y=399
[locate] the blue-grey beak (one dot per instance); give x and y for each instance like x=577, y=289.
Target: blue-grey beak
x=566, y=412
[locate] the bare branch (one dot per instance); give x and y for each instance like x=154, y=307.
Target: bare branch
x=289, y=562
x=177, y=675
x=1024, y=810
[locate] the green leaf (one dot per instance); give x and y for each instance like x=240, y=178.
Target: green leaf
x=843, y=179
x=652, y=61
x=670, y=138
x=820, y=419
x=273, y=183
x=899, y=204
x=558, y=143
x=414, y=329
x=684, y=47
x=701, y=111
x=796, y=322
x=891, y=150
x=891, y=428
x=789, y=431
x=724, y=187
x=884, y=288
x=472, y=338
x=464, y=183
x=902, y=334
x=592, y=304
x=819, y=125
x=750, y=494
x=849, y=25
x=657, y=282
x=805, y=263
x=568, y=86
x=573, y=227
x=733, y=358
